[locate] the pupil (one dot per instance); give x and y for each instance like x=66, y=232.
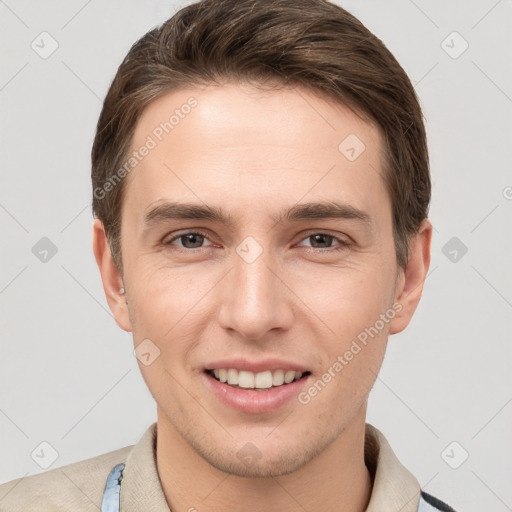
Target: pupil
x=194, y=238
x=319, y=238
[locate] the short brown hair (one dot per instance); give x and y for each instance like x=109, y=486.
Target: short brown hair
x=312, y=43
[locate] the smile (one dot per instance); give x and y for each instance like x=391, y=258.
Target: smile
x=243, y=379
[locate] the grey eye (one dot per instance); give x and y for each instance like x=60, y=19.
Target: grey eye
x=191, y=240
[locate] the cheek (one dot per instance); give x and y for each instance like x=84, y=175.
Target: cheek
x=167, y=306
x=163, y=293
x=348, y=300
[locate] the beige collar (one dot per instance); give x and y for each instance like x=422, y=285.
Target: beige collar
x=394, y=488
x=141, y=489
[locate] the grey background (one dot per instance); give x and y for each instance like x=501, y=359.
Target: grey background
x=68, y=375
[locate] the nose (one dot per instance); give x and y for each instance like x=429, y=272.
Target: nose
x=255, y=299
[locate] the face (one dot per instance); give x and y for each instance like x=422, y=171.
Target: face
x=257, y=248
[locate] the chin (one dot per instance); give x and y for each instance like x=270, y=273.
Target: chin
x=261, y=468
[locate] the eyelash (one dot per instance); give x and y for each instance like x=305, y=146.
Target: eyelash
x=343, y=244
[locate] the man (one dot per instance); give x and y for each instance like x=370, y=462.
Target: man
x=261, y=190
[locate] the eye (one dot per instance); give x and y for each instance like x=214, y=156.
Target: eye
x=325, y=241
x=189, y=240
x=196, y=239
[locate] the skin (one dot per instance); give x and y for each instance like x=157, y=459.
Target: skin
x=253, y=153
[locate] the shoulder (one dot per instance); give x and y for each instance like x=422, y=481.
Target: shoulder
x=74, y=487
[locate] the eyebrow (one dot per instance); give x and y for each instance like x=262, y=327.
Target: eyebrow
x=320, y=210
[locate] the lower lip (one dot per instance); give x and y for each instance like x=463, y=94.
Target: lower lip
x=252, y=401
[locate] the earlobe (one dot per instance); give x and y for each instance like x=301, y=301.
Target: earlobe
x=410, y=283
x=112, y=281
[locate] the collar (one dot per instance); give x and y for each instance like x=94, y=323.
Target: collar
x=394, y=489
x=141, y=489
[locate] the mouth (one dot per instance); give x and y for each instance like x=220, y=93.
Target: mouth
x=260, y=381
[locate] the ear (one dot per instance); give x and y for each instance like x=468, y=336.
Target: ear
x=410, y=281
x=110, y=276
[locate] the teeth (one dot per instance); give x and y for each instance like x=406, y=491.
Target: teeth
x=278, y=378
x=261, y=380
x=289, y=376
x=233, y=377
x=245, y=379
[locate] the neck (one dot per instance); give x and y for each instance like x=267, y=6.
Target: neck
x=337, y=479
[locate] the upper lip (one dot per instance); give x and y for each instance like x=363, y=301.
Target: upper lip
x=255, y=366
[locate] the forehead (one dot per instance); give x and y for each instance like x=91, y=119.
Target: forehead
x=254, y=146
